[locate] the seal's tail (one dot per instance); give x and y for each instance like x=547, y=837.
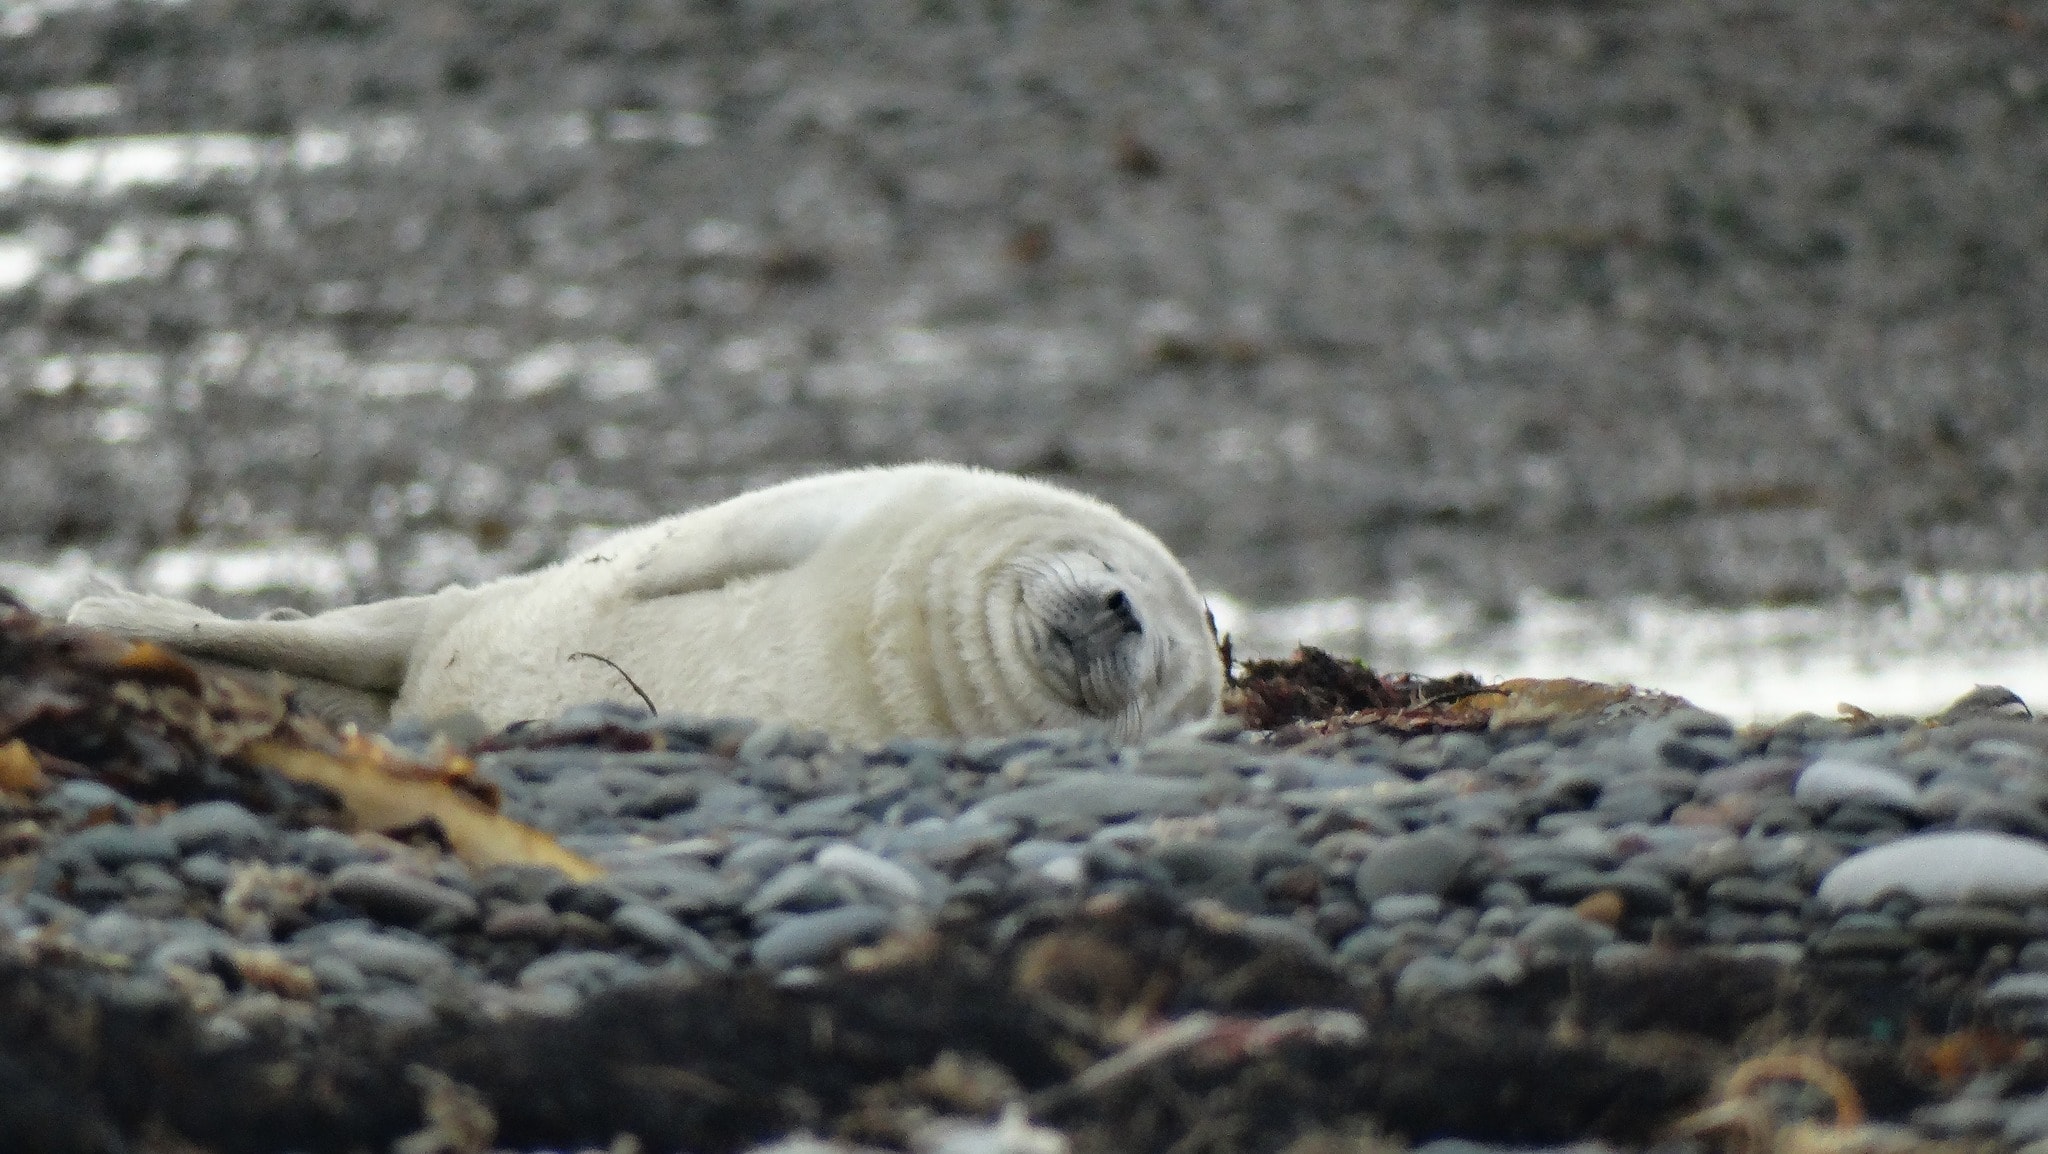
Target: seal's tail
x=362, y=647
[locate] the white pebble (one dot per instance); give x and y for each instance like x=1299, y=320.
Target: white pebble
x=1066, y=870
x=1013, y=1133
x=1942, y=867
x=870, y=868
x=1834, y=779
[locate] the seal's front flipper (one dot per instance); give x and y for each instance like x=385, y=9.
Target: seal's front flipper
x=364, y=647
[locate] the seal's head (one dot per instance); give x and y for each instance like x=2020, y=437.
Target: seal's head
x=1006, y=605
x=1131, y=646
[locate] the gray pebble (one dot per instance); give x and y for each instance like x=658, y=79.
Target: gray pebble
x=1177, y=756
x=1562, y=932
x=1398, y=908
x=1367, y=946
x=800, y=887
x=336, y=974
x=1976, y=922
x=390, y=894
x=764, y=743
x=219, y=827
x=1963, y=1116
x=811, y=938
x=147, y=879
x=877, y=874
x=395, y=1007
x=113, y=846
x=1634, y=799
x=831, y=816
x=323, y=850
x=206, y=871
x=650, y=926
x=678, y=888
x=1427, y=978
x=943, y=842
x=1836, y=779
x=1863, y=935
x=120, y=932
x=2028, y=1121
x=1645, y=891
x=1419, y=863
x=1753, y=894
x=1216, y=869
x=1504, y=895
x=763, y=856
x=75, y=799
x=1942, y=867
x=2003, y=815
x=1033, y=853
x=386, y=955
x=1288, y=934
x=522, y=921
x=581, y=972
x=1097, y=796
x=194, y=950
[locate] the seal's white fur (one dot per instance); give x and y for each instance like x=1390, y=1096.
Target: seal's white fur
x=921, y=599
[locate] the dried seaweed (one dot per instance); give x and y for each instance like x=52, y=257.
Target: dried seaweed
x=1314, y=693
x=78, y=703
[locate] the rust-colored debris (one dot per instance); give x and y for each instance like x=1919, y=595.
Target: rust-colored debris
x=1314, y=694
x=78, y=703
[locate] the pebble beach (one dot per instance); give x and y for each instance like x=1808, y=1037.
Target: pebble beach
x=1574, y=928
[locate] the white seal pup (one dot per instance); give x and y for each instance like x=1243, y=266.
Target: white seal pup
x=923, y=600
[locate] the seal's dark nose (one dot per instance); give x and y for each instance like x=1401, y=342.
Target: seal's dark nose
x=1119, y=607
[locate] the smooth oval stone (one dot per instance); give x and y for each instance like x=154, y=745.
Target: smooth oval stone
x=650, y=926
x=391, y=957
x=389, y=894
x=1407, y=908
x=1643, y=891
x=800, y=887
x=2024, y=990
x=1832, y=779
x=2002, y=815
x=1427, y=978
x=1098, y=796
x=1756, y=894
x=872, y=870
x=2029, y=1121
x=220, y=827
x=1418, y=863
x=816, y=937
x=1946, y=922
x=583, y=972
x=114, y=846
x=207, y=871
x=1942, y=867
x=524, y=921
x=1563, y=931
x=1863, y=935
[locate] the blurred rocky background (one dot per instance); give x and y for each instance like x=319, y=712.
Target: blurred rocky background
x=1725, y=301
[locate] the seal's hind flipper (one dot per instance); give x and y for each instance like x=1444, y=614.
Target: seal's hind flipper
x=364, y=647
